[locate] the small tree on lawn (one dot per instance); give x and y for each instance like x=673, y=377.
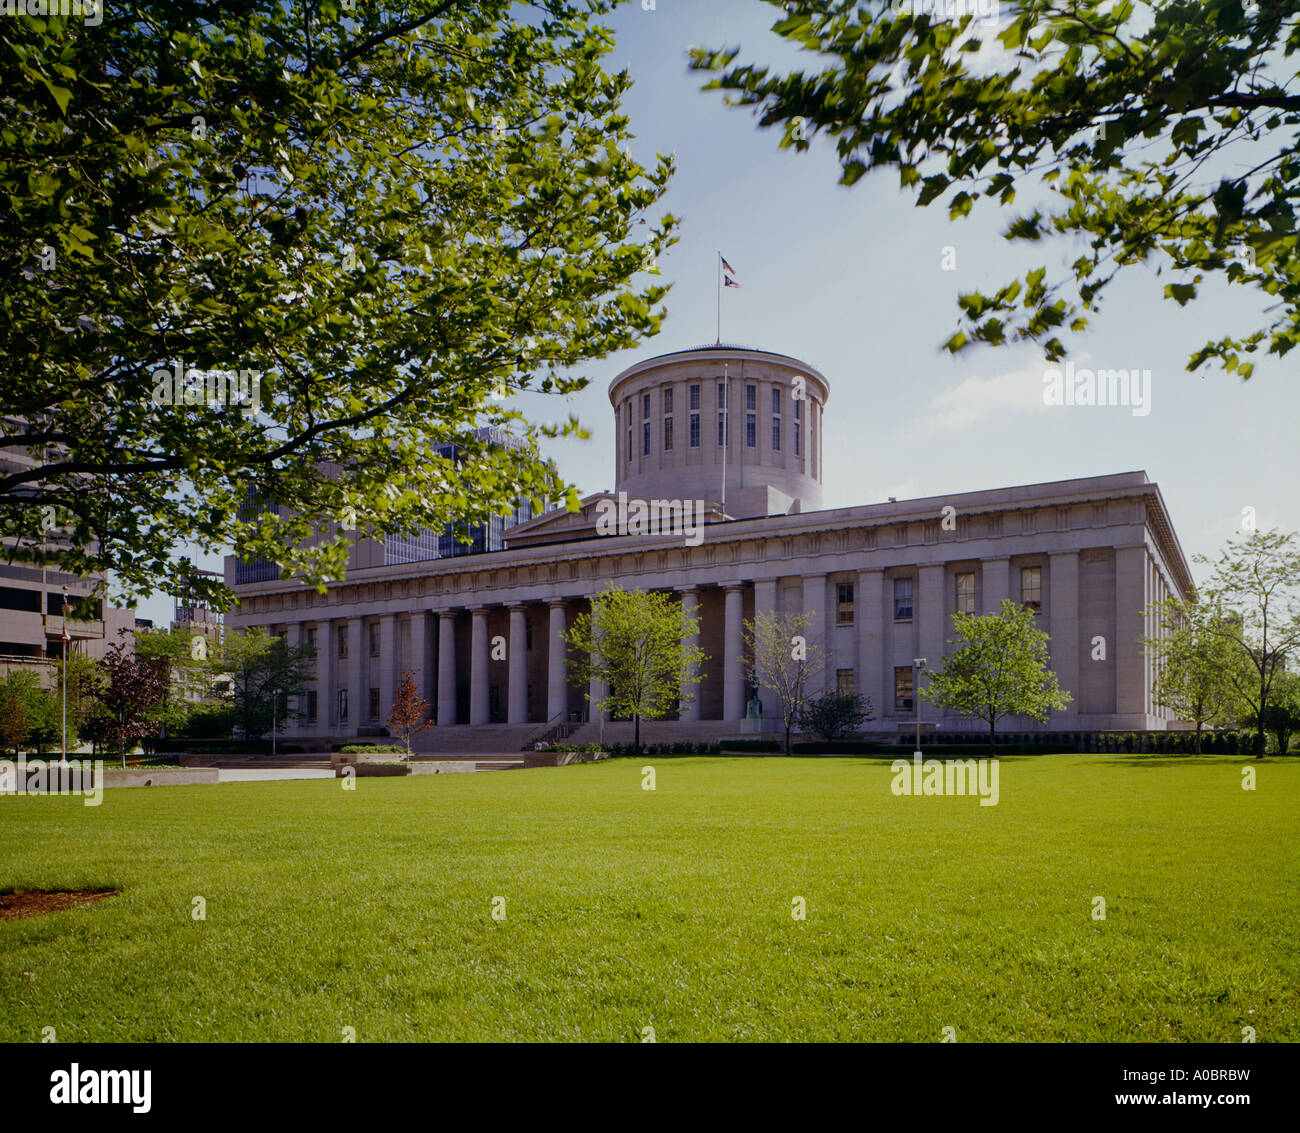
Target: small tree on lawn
x=409, y=712
x=130, y=688
x=1254, y=594
x=265, y=671
x=635, y=642
x=13, y=713
x=834, y=715
x=1000, y=669
x=1195, y=662
x=784, y=661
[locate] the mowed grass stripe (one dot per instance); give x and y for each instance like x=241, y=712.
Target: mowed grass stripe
x=628, y=908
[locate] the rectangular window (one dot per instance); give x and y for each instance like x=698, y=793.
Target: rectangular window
x=645, y=406
x=902, y=599
x=965, y=592
x=311, y=639
x=903, y=688
x=751, y=397
x=844, y=604
x=668, y=434
x=343, y=706
x=645, y=439
x=776, y=401
x=374, y=704
x=311, y=706
x=751, y=431
x=1031, y=587
x=776, y=434
x=668, y=400
x=343, y=641
x=374, y=639
x=695, y=397
x=695, y=430
x=796, y=437
x=723, y=439
x=798, y=409
x=844, y=682
x=722, y=395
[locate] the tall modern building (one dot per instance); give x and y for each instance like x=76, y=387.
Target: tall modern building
x=726, y=442
x=32, y=625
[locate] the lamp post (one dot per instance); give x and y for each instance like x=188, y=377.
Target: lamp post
x=918, y=663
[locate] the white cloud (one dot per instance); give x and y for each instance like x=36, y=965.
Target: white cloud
x=977, y=400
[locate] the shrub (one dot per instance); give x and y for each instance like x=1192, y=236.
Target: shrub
x=367, y=749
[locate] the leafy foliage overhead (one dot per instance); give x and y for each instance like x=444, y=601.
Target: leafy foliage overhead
x=398, y=215
x=1162, y=133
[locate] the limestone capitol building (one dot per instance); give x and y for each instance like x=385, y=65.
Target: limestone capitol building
x=735, y=435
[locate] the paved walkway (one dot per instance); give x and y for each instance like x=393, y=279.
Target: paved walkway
x=253, y=775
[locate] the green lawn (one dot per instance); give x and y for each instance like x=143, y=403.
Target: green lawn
x=627, y=908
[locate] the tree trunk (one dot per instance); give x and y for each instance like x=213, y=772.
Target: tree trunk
x=787, y=739
x=1198, y=737
x=993, y=747
x=636, y=725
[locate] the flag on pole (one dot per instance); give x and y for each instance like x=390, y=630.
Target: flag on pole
x=727, y=281
x=727, y=267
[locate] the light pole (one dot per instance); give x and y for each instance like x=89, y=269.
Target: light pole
x=918, y=663
x=67, y=639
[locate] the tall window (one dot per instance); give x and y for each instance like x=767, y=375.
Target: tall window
x=668, y=400
x=776, y=400
x=751, y=397
x=645, y=439
x=629, y=434
x=797, y=433
x=645, y=405
x=1031, y=587
x=844, y=604
x=751, y=431
x=723, y=439
x=668, y=434
x=965, y=592
x=311, y=639
x=722, y=395
x=903, y=688
x=776, y=434
x=343, y=641
x=902, y=599
x=374, y=639
x=343, y=706
x=844, y=682
x=695, y=430
x=374, y=704
x=311, y=705
x=695, y=397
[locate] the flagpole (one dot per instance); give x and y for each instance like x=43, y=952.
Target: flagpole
x=717, y=268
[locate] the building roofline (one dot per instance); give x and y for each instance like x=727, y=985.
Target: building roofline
x=723, y=350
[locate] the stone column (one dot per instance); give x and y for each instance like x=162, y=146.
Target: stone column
x=479, y=706
x=446, y=668
x=557, y=691
x=1130, y=656
x=930, y=624
x=814, y=605
x=733, y=688
x=1063, y=603
x=691, y=607
x=356, y=668
x=387, y=666
x=995, y=580
x=327, y=646
x=418, y=655
x=517, y=660
x=874, y=678
x=765, y=603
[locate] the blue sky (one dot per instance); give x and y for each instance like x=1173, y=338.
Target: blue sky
x=852, y=281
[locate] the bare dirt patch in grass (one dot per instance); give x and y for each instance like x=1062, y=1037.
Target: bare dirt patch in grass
x=39, y=902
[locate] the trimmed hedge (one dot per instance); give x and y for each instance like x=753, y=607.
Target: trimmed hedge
x=665, y=749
